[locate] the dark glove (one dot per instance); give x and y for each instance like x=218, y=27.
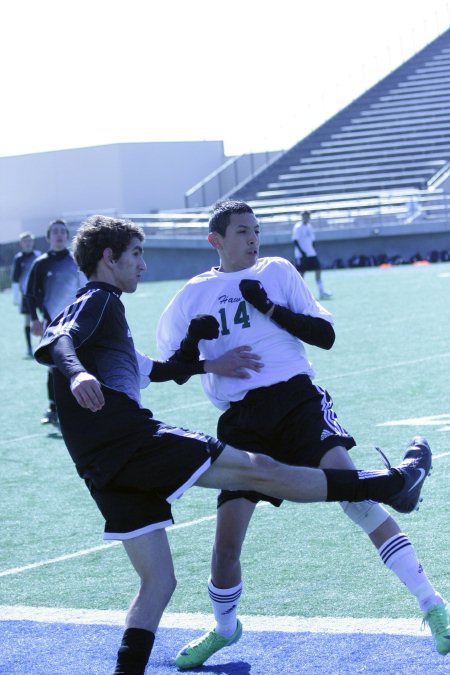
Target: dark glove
x=253, y=291
x=203, y=327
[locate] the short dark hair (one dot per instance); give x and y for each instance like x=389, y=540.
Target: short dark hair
x=58, y=221
x=99, y=232
x=220, y=217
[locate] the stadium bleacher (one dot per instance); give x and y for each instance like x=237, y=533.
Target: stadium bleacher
x=392, y=140
x=382, y=160
x=376, y=178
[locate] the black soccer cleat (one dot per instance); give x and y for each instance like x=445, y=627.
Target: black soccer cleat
x=415, y=467
x=50, y=417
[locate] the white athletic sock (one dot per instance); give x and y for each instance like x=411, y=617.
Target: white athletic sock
x=224, y=603
x=398, y=555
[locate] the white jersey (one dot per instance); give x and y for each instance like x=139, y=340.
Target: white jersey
x=217, y=293
x=304, y=235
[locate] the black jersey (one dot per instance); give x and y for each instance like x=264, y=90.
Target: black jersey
x=100, y=443
x=21, y=268
x=100, y=334
x=53, y=283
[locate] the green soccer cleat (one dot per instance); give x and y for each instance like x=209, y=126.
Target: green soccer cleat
x=438, y=619
x=199, y=650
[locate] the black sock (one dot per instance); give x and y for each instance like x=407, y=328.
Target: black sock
x=28, y=337
x=357, y=486
x=134, y=652
x=50, y=385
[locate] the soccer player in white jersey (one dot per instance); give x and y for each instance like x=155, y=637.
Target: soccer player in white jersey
x=278, y=410
x=306, y=258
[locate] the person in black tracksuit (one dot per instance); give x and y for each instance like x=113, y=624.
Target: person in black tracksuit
x=21, y=269
x=52, y=285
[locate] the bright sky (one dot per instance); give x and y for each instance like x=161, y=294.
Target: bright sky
x=257, y=74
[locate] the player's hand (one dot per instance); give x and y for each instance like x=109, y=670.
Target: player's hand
x=37, y=327
x=203, y=327
x=87, y=391
x=253, y=291
x=235, y=363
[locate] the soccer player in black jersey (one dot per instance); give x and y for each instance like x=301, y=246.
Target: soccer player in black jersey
x=135, y=466
x=21, y=269
x=52, y=284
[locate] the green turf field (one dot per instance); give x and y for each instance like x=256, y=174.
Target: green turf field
x=389, y=376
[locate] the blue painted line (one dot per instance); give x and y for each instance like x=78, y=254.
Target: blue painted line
x=37, y=648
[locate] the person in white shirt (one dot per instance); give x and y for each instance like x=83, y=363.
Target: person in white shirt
x=277, y=410
x=306, y=258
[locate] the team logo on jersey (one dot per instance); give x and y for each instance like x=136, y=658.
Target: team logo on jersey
x=224, y=299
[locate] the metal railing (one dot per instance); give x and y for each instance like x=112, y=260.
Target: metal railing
x=351, y=210
x=228, y=178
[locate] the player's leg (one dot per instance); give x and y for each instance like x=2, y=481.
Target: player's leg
x=323, y=295
x=151, y=558
x=399, y=486
x=50, y=416
x=396, y=552
x=27, y=331
x=240, y=470
x=224, y=585
x=233, y=519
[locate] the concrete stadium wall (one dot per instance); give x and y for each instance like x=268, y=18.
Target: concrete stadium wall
x=182, y=258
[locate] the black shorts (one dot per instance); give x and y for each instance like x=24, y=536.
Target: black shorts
x=291, y=421
x=138, y=499
x=308, y=263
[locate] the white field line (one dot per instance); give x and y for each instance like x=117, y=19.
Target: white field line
x=362, y=371
x=102, y=547
x=389, y=366
x=199, y=404
x=443, y=454
x=19, y=439
x=8, y=441
x=93, y=549
x=286, y=624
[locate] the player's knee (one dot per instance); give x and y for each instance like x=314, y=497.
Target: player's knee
x=168, y=588
x=367, y=515
x=162, y=586
x=264, y=465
